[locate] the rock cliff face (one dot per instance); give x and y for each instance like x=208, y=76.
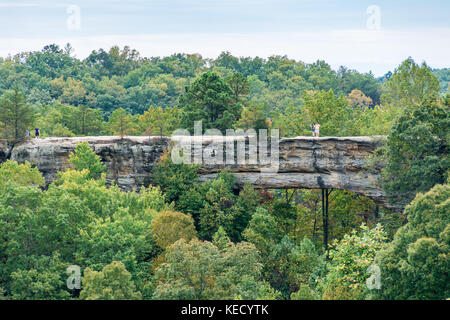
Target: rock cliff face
x=129, y=161
x=304, y=162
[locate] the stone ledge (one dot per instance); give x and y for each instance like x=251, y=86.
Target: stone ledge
x=305, y=162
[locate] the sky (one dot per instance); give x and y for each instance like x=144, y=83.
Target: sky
x=364, y=35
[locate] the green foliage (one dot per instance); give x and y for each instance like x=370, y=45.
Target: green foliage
x=200, y=270
x=350, y=259
x=292, y=122
x=262, y=231
x=20, y=174
x=85, y=121
x=299, y=214
x=220, y=207
x=377, y=120
x=209, y=99
x=349, y=80
x=110, y=78
x=348, y=211
x=169, y=227
x=79, y=218
x=410, y=84
x=239, y=85
x=16, y=115
x=63, y=216
x=333, y=113
x=304, y=293
x=66, y=120
x=3, y=295
x=417, y=152
x=174, y=179
x=288, y=266
x=121, y=123
x=112, y=283
x=123, y=237
x=443, y=76
x=157, y=121
x=17, y=204
x=212, y=204
x=217, y=210
x=252, y=117
x=221, y=239
x=335, y=116
x=85, y=158
x=245, y=204
x=415, y=264
x=285, y=214
x=52, y=61
x=39, y=278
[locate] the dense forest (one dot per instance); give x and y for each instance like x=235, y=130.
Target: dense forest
x=182, y=239
x=72, y=97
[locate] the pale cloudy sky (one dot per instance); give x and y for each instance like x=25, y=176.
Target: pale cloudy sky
x=365, y=35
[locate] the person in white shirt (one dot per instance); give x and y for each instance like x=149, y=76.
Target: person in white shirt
x=317, y=128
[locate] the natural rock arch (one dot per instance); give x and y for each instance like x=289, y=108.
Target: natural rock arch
x=304, y=162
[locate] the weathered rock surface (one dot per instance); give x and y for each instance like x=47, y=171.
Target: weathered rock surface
x=129, y=161
x=304, y=162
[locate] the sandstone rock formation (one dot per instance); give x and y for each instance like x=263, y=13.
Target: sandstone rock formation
x=129, y=161
x=304, y=162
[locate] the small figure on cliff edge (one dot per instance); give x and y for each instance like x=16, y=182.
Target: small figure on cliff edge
x=317, y=129
x=37, y=132
x=312, y=129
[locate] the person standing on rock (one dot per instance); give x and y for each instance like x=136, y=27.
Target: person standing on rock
x=37, y=132
x=27, y=134
x=312, y=129
x=317, y=128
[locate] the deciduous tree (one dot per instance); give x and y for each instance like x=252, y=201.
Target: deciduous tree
x=112, y=283
x=417, y=151
x=169, y=227
x=85, y=158
x=415, y=264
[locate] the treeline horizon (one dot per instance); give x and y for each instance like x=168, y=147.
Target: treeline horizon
x=439, y=72
x=118, y=92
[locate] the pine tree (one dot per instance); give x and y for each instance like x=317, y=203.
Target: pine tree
x=15, y=114
x=121, y=122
